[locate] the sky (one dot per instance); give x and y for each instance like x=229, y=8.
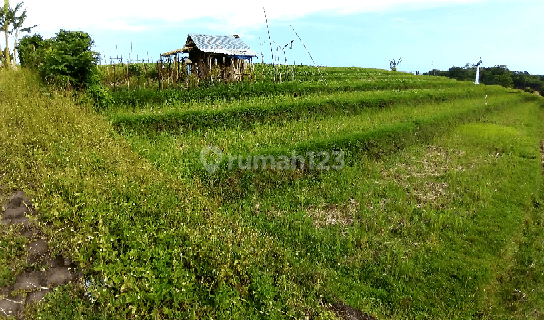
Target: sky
x=426, y=34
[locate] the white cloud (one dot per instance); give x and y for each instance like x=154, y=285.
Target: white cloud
x=133, y=16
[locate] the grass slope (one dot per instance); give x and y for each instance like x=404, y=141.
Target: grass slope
x=437, y=213
x=162, y=249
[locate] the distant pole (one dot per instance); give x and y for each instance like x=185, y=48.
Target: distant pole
x=128, y=72
x=159, y=73
x=270, y=40
x=309, y=54
x=262, y=60
x=114, y=78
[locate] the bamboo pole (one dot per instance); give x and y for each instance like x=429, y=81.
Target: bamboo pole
x=114, y=78
x=159, y=74
x=128, y=72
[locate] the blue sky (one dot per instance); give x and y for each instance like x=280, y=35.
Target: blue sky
x=426, y=34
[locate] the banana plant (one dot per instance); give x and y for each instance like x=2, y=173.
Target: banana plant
x=5, y=22
x=17, y=26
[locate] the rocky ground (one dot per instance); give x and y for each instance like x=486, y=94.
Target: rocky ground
x=43, y=271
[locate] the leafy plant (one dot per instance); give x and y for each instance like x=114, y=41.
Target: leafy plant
x=17, y=23
x=70, y=61
x=32, y=50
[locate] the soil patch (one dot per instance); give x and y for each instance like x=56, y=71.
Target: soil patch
x=349, y=313
x=31, y=285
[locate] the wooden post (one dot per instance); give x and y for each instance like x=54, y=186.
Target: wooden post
x=159, y=74
x=128, y=74
x=145, y=74
x=175, y=71
x=114, y=78
x=169, y=69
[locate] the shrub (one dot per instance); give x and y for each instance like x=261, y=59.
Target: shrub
x=65, y=60
x=31, y=51
x=70, y=59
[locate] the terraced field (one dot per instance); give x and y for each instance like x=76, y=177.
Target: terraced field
x=386, y=195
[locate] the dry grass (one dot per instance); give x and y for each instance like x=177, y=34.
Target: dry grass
x=333, y=214
x=421, y=176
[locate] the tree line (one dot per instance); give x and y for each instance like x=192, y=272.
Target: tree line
x=494, y=75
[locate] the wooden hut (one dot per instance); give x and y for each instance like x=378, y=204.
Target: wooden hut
x=225, y=57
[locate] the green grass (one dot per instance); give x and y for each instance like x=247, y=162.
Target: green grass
x=433, y=225
x=13, y=245
x=278, y=108
x=436, y=215
x=378, y=129
x=358, y=80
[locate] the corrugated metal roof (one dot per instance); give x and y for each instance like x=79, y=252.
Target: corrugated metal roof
x=228, y=45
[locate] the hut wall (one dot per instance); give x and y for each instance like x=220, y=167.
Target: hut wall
x=231, y=68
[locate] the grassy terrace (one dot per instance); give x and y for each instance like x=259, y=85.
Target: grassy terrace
x=436, y=214
x=274, y=109
x=351, y=80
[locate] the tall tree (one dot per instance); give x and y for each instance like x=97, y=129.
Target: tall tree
x=5, y=27
x=2, y=19
x=17, y=26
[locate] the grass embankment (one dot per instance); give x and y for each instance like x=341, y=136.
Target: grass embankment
x=163, y=249
x=247, y=113
x=444, y=229
x=348, y=81
x=437, y=213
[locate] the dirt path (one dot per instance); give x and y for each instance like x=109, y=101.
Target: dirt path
x=31, y=285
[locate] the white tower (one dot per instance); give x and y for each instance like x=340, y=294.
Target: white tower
x=478, y=71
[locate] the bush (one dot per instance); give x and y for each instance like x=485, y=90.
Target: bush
x=101, y=96
x=31, y=51
x=70, y=59
x=65, y=60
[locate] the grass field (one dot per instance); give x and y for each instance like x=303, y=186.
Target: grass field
x=435, y=213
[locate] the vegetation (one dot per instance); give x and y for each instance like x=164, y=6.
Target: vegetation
x=65, y=60
x=11, y=24
x=393, y=64
x=496, y=75
x=436, y=213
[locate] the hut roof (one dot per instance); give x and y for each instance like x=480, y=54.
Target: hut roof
x=228, y=45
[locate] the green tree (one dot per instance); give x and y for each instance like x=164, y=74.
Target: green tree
x=68, y=60
x=458, y=73
x=17, y=23
x=32, y=51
